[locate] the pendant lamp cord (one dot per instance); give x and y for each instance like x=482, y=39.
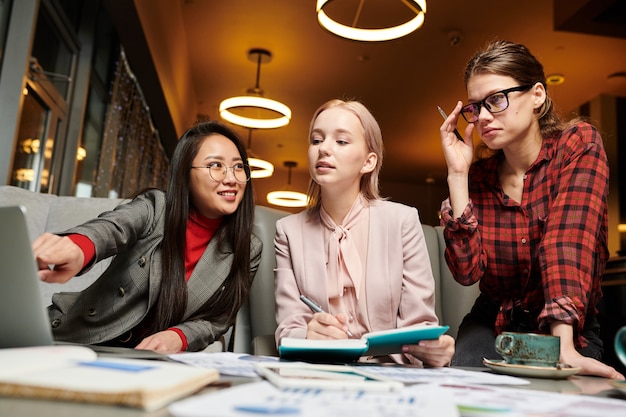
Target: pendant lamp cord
x=358, y=13
x=258, y=70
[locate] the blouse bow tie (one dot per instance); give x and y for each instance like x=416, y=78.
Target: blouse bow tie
x=344, y=262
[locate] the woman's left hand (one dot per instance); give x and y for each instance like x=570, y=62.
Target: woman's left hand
x=434, y=353
x=166, y=342
x=589, y=366
x=571, y=357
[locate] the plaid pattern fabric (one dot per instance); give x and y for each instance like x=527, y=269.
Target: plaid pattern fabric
x=547, y=254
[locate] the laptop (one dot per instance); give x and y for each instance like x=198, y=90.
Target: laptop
x=23, y=317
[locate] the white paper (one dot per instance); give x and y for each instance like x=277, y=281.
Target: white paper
x=528, y=402
x=410, y=375
x=227, y=363
x=262, y=398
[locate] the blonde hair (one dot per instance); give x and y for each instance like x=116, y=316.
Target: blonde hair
x=374, y=141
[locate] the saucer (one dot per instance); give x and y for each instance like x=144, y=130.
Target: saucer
x=561, y=371
x=620, y=385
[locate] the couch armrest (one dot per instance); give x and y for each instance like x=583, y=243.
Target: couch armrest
x=432, y=243
x=264, y=345
x=456, y=299
x=258, y=316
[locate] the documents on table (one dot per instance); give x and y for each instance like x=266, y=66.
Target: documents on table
x=413, y=375
x=419, y=400
x=301, y=375
x=243, y=364
x=500, y=401
x=262, y=398
x=227, y=363
x=76, y=373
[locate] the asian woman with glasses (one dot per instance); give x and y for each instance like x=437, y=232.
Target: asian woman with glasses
x=526, y=215
x=184, y=258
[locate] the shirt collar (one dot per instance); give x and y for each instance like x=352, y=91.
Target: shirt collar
x=487, y=169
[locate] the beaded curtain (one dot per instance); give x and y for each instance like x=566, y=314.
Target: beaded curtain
x=132, y=157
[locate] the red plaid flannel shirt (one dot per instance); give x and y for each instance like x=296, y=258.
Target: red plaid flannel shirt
x=548, y=253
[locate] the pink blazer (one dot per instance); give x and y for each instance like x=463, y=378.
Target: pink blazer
x=399, y=284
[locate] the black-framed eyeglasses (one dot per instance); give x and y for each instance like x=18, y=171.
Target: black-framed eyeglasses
x=218, y=171
x=495, y=103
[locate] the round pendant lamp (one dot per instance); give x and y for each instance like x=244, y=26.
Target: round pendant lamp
x=287, y=197
x=372, y=35
x=253, y=110
x=259, y=168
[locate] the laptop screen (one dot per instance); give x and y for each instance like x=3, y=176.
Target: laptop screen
x=23, y=317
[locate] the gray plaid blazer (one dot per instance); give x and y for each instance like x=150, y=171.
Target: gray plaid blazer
x=121, y=297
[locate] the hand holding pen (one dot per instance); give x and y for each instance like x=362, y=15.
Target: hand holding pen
x=445, y=117
x=317, y=309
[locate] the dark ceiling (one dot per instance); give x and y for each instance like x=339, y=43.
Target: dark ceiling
x=401, y=81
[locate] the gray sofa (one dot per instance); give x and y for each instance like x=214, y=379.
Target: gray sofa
x=256, y=322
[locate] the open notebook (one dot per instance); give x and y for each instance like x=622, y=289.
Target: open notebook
x=23, y=317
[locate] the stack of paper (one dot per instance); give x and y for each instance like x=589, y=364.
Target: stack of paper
x=75, y=373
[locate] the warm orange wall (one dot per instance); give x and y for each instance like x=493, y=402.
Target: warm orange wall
x=164, y=31
x=426, y=198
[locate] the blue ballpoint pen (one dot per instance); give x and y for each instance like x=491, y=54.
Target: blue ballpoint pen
x=317, y=309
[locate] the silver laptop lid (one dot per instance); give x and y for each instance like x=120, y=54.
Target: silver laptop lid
x=23, y=317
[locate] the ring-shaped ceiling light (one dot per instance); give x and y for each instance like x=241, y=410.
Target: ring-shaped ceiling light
x=287, y=198
x=373, y=35
x=259, y=168
x=256, y=101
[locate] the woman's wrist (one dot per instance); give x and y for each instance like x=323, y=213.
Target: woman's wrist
x=459, y=193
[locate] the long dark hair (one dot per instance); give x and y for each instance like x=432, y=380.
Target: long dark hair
x=234, y=233
x=515, y=60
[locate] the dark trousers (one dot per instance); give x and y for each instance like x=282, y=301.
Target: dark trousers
x=476, y=338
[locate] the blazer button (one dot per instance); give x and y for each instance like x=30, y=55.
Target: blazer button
x=142, y=261
x=121, y=292
x=92, y=312
x=55, y=323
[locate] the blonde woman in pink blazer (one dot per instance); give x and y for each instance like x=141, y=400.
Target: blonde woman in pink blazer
x=362, y=259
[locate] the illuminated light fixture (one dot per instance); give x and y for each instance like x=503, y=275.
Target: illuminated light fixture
x=81, y=153
x=372, y=35
x=254, y=107
x=555, y=79
x=259, y=168
x=287, y=198
x=31, y=146
x=25, y=174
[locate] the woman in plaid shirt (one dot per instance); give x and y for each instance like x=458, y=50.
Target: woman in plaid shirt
x=528, y=218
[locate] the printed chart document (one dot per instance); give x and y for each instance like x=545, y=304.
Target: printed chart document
x=302, y=375
x=264, y=399
x=410, y=374
x=418, y=400
x=379, y=343
x=227, y=363
x=75, y=373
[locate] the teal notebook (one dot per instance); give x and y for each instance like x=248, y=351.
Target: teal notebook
x=385, y=342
